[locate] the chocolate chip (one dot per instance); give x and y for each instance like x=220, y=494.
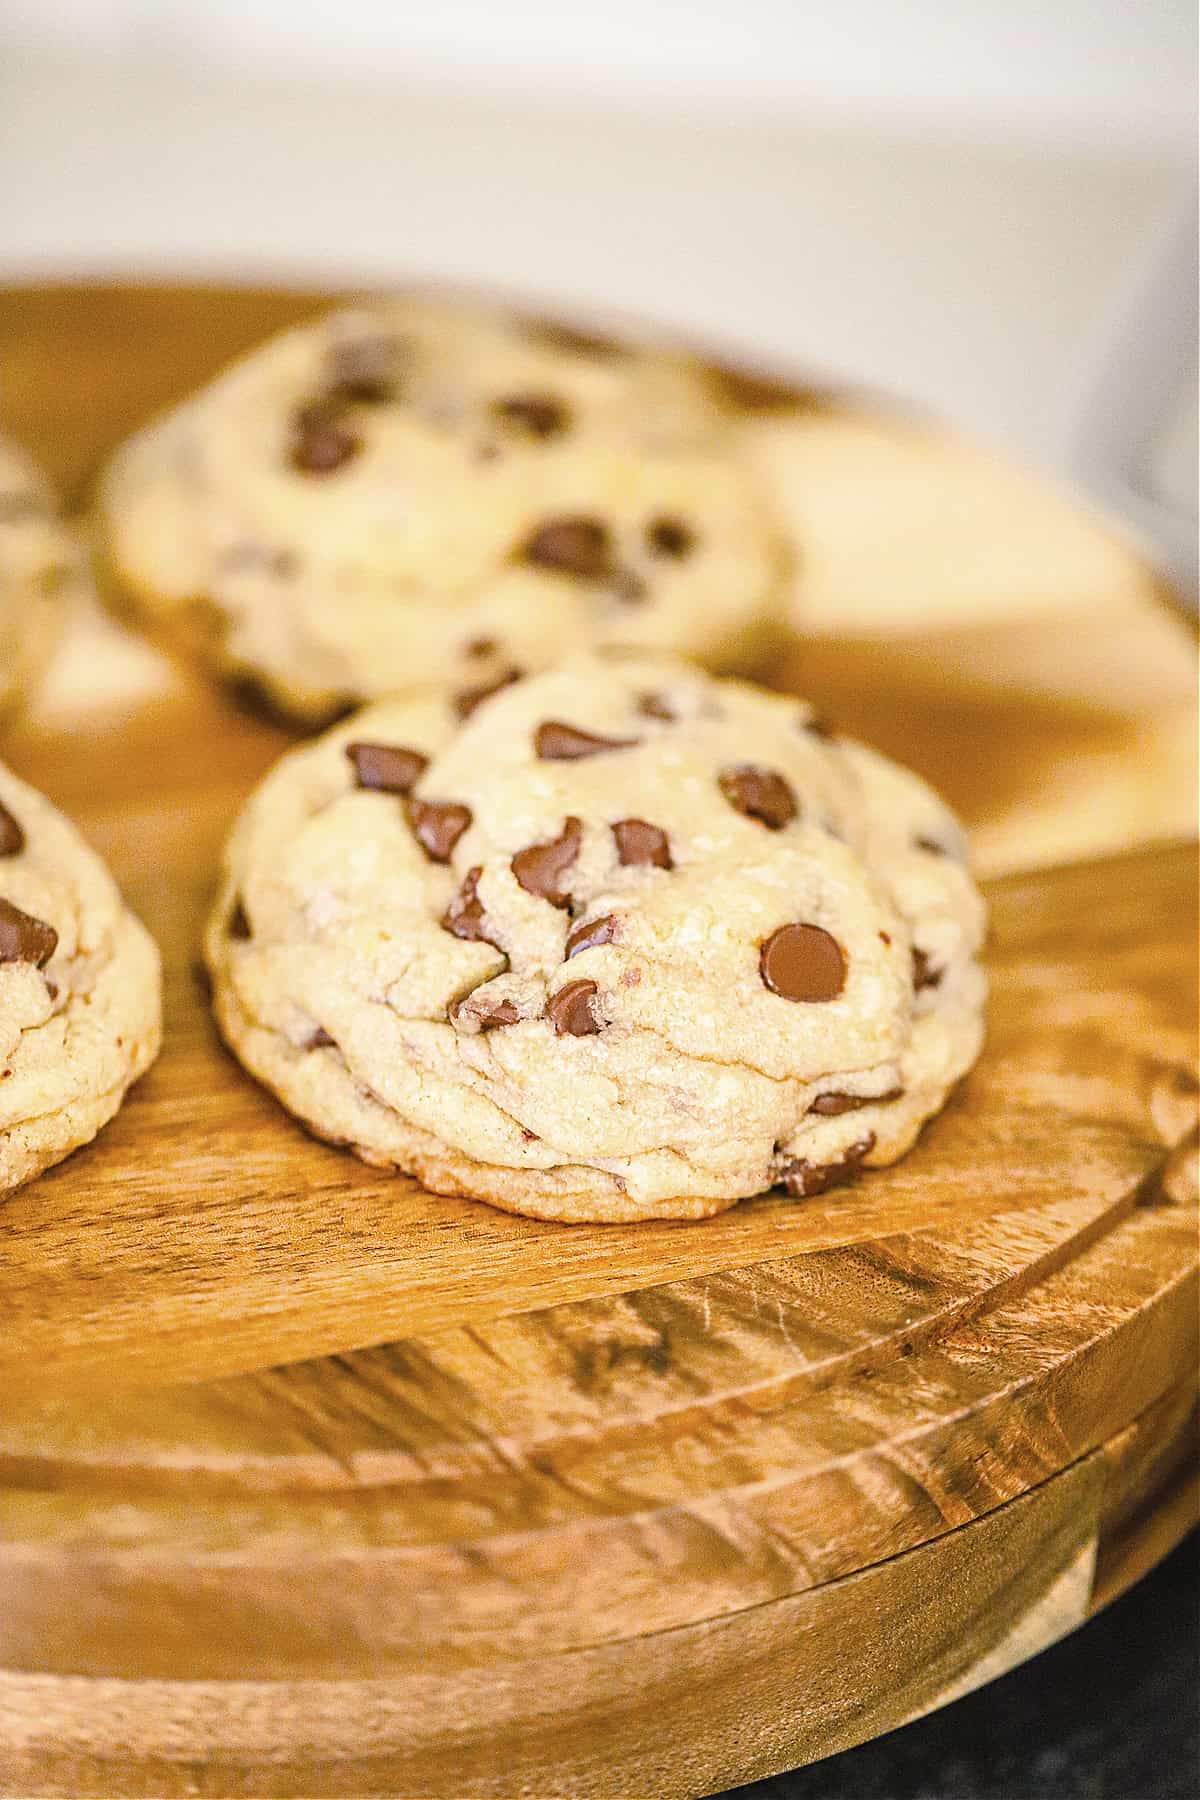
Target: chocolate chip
x=627, y=586
x=571, y=337
x=467, y=699
x=654, y=706
x=464, y=917
x=755, y=392
x=321, y=441
x=481, y=646
x=437, y=826
x=12, y=838
x=570, y=1010
x=541, y=415
x=670, y=537
x=639, y=843
x=802, y=962
x=832, y=1105
x=573, y=545
x=923, y=975
x=386, y=768
x=24, y=939
x=817, y=726
x=485, y=1011
x=804, y=1179
x=540, y=868
x=932, y=846
x=759, y=793
x=319, y=1039
x=239, y=925
x=556, y=742
x=589, y=934
x=365, y=368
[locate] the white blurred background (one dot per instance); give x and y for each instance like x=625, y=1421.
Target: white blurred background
x=946, y=198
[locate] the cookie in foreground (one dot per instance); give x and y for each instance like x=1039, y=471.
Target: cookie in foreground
x=80, y=989
x=619, y=941
x=413, y=491
x=41, y=565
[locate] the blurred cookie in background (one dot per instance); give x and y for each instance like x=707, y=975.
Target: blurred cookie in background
x=414, y=490
x=41, y=573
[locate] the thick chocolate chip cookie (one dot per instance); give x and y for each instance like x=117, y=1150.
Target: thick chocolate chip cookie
x=413, y=492
x=617, y=941
x=79, y=988
x=40, y=566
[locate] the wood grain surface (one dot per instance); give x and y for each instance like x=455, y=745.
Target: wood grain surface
x=312, y=1483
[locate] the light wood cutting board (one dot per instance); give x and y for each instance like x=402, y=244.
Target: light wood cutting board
x=312, y=1483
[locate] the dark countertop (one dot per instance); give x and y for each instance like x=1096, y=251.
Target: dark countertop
x=1110, y=1713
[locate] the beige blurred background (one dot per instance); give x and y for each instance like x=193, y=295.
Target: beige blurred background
x=947, y=201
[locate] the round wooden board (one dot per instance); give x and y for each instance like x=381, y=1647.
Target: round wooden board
x=312, y=1483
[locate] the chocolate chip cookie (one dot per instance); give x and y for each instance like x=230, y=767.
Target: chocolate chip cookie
x=411, y=491
x=615, y=941
x=40, y=566
x=79, y=988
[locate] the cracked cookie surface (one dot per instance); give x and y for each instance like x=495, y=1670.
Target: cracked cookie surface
x=413, y=491
x=617, y=941
x=40, y=567
x=79, y=988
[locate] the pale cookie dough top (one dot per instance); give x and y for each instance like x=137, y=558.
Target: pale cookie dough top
x=622, y=941
x=414, y=491
x=40, y=564
x=79, y=987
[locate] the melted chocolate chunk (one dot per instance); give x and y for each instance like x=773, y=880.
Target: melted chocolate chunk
x=437, y=826
x=803, y=962
x=465, y=917
x=571, y=545
x=467, y=699
x=639, y=843
x=540, y=415
x=12, y=838
x=589, y=934
x=832, y=1105
x=386, y=768
x=239, y=924
x=24, y=939
x=804, y=1179
x=924, y=976
x=481, y=646
x=319, y=1039
x=667, y=536
x=759, y=793
x=321, y=441
x=365, y=369
x=556, y=742
x=540, y=868
x=570, y=1010
x=486, y=1011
